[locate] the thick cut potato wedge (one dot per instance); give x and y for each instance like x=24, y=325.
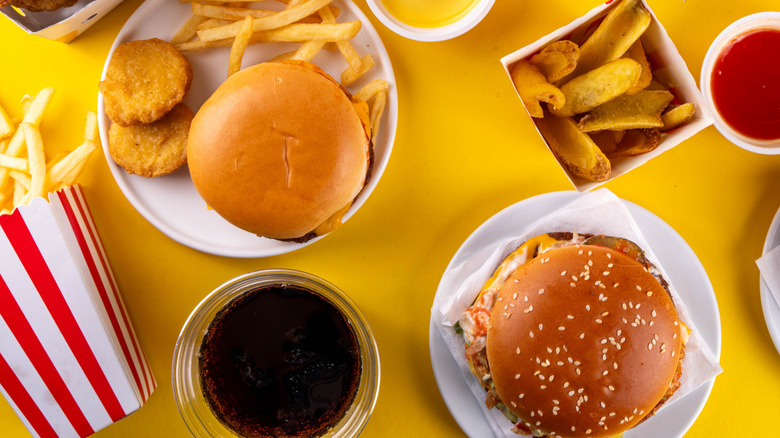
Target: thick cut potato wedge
x=557, y=59
x=574, y=148
x=534, y=88
x=641, y=110
x=637, y=142
x=637, y=53
x=677, y=116
x=612, y=38
x=598, y=86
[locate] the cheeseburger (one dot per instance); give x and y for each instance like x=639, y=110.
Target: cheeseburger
x=280, y=150
x=575, y=336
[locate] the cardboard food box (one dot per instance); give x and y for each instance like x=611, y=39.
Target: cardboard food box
x=667, y=66
x=64, y=24
x=70, y=361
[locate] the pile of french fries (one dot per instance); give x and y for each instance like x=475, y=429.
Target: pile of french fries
x=312, y=23
x=602, y=100
x=25, y=173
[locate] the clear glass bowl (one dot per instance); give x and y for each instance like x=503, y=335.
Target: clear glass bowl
x=186, y=381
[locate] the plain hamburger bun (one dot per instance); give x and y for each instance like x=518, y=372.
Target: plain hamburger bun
x=278, y=150
x=583, y=342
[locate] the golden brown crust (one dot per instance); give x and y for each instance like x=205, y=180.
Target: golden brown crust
x=39, y=5
x=597, y=337
x=277, y=150
x=152, y=149
x=144, y=80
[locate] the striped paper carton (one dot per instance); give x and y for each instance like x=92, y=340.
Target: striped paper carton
x=70, y=361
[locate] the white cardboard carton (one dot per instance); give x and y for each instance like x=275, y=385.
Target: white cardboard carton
x=668, y=66
x=70, y=361
x=63, y=24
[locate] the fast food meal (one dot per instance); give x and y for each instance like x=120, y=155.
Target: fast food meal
x=281, y=150
x=152, y=149
x=24, y=178
x=575, y=336
x=144, y=80
x=39, y=5
x=604, y=83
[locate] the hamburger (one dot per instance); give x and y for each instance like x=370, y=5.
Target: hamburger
x=575, y=336
x=281, y=150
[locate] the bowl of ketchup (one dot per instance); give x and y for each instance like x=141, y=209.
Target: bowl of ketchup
x=740, y=80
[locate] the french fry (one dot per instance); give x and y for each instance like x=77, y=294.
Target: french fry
x=299, y=32
x=239, y=45
x=641, y=110
x=22, y=178
x=349, y=76
x=33, y=116
x=307, y=51
x=6, y=125
x=597, y=86
x=574, y=148
x=20, y=194
x=91, y=132
x=557, y=59
x=275, y=21
x=228, y=13
x=36, y=160
x=676, y=116
x=65, y=171
x=533, y=88
x=371, y=89
x=13, y=163
x=622, y=26
x=637, y=53
x=188, y=30
x=377, y=109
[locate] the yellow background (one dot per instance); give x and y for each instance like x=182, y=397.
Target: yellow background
x=465, y=149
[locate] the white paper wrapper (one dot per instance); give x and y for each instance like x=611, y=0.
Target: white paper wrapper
x=668, y=66
x=769, y=265
x=64, y=24
x=597, y=212
x=70, y=361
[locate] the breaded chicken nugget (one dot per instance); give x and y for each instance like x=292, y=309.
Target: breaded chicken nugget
x=144, y=80
x=39, y=5
x=152, y=149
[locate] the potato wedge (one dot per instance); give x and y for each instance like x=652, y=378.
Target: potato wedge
x=637, y=53
x=641, y=110
x=677, y=115
x=607, y=141
x=557, y=59
x=574, y=148
x=598, y=86
x=534, y=88
x=637, y=142
x=624, y=24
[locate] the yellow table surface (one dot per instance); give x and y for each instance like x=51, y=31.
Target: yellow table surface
x=465, y=149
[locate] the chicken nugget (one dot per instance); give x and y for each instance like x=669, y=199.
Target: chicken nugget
x=144, y=80
x=39, y=5
x=152, y=149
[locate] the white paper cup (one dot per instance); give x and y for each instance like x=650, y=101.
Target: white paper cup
x=449, y=31
x=762, y=20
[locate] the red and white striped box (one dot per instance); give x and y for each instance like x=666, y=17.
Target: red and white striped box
x=70, y=360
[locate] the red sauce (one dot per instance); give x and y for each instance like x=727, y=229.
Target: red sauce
x=746, y=84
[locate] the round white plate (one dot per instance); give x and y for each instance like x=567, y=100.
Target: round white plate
x=171, y=203
x=768, y=303
x=684, y=271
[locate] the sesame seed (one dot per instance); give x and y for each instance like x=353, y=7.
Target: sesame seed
x=653, y=313
x=549, y=350
x=572, y=316
x=571, y=393
x=616, y=285
x=638, y=287
x=611, y=388
x=624, y=306
x=587, y=307
x=614, y=365
x=542, y=386
x=518, y=350
x=514, y=405
x=650, y=346
x=672, y=353
x=572, y=428
x=540, y=327
x=537, y=372
x=582, y=335
x=541, y=291
x=559, y=363
x=525, y=299
x=590, y=262
x=580, y=391
x=561, y=328
x=605, y=372
x=590, y=253
x=603, y=341
x=540, y=413
x=625, y=321
x=565, y=384
x=638, y=305
x=578, y=371
x=557, y=350
x=605, y=273
x=649, y=294
x=574, y=277
x=521, y=396
x=603, y=357
x=605, y=314
x=563, y=273
x=587, y=432
x=531, y=334
x=598, y=282
x=517, y=376
x=609, y=256
x=556, y=402
x=603, y=406
x=674, y=336
x=551, y=378
x=598, y=320
x=514, y=295
x=572, y=284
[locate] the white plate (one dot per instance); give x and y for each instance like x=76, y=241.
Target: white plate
x=171, y=203
x=768, y=303
x=684, y=271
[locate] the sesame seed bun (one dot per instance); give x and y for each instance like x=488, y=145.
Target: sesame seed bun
x=583, y=342
x=278, y=150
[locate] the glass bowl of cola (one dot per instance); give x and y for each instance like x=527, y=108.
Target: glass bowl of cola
x=276, y=353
